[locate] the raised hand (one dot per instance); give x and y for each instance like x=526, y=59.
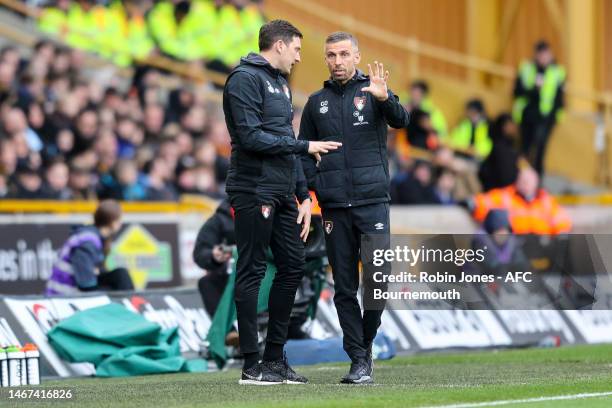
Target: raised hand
x=378, y=82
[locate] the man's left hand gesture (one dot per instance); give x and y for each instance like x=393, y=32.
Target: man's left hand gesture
x=304, y=217
x=378, y=82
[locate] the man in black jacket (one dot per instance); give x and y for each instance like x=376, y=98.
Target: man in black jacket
x=352, y=183
x=264, y=178
x=212, y=251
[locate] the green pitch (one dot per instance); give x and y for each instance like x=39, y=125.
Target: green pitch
x=416, y=381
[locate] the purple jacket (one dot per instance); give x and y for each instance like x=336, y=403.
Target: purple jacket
x=75, y=268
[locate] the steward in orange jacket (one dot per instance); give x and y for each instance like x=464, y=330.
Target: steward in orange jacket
x=532, y=210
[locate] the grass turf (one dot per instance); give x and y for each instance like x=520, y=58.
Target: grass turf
x=414, y=381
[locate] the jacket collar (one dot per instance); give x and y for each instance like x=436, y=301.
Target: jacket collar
x=359, y=76
x=257, y=60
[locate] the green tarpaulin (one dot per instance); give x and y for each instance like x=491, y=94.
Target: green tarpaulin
x=120, y=343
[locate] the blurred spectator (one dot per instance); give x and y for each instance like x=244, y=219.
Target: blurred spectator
x=419, y=99
x=504, y=249
x=81, y=183
x=466, y=180
x=129, y=137
x=157, y=183
x=414, y=186
x=27, y=183
x=169, y=151
x=471, y=136
x=107, y=150
x=212, y=252
x=194, y=120
x=85, y=130
x=420, y=131
x=81, y=266
x=123, y=183
x=500, y=168
x=153, y=121
x=444, y=186
x=180, y=101
x=531, y=209
x=538, y=103
x=16, y=127
x=56, y=181
x=180, y=29
x=8, y=157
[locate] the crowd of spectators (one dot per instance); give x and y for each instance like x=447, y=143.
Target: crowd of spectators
x=64, y=135
x=493, y=149
x=217, y=32
x=485, y=164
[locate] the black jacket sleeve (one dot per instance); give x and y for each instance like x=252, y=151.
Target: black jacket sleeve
x=308, y=131
x=301, y=186
x=246, y=105
x=210, y=234
x=519, y=88
x=394, y=112
x=84, y=260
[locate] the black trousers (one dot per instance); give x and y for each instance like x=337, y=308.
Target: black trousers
x=211, y=287
x=535, y=133
x=343, y=233
x=117, y=279
x=262, y=223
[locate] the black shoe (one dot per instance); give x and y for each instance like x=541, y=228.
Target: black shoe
x=260, y=374
x=283, y=369
x=358, y=374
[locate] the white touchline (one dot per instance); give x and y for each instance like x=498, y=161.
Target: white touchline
x=522, y=401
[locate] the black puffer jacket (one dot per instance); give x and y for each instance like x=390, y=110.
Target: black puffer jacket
x=358, y=172
x=258, y=114
x=217, y=230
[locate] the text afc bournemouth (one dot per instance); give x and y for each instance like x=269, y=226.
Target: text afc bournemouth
x=438, y=277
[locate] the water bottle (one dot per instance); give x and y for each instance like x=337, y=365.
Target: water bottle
x=4, y=379
x=24, y=368
x=32, y=357
x=14, y=356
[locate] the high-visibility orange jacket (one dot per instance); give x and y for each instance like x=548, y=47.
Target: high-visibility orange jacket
x=542, y=216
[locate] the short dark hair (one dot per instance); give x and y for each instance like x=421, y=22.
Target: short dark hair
x=108, y=211
x=475, y=104
x=420, y=84
x=541, y=45
x=275, y=30
x=341, y=36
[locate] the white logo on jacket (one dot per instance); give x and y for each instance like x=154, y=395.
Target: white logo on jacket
x=270, y=87
x=359, y=117
x=324, y=108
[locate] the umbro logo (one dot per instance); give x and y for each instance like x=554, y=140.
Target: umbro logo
x=379, y=226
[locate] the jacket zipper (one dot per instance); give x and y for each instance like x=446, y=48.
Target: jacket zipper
x=346, y=164
x=293, y=177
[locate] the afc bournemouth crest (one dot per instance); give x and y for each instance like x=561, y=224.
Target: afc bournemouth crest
x=359, y=102
x=329, y=226
x=266, y=210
